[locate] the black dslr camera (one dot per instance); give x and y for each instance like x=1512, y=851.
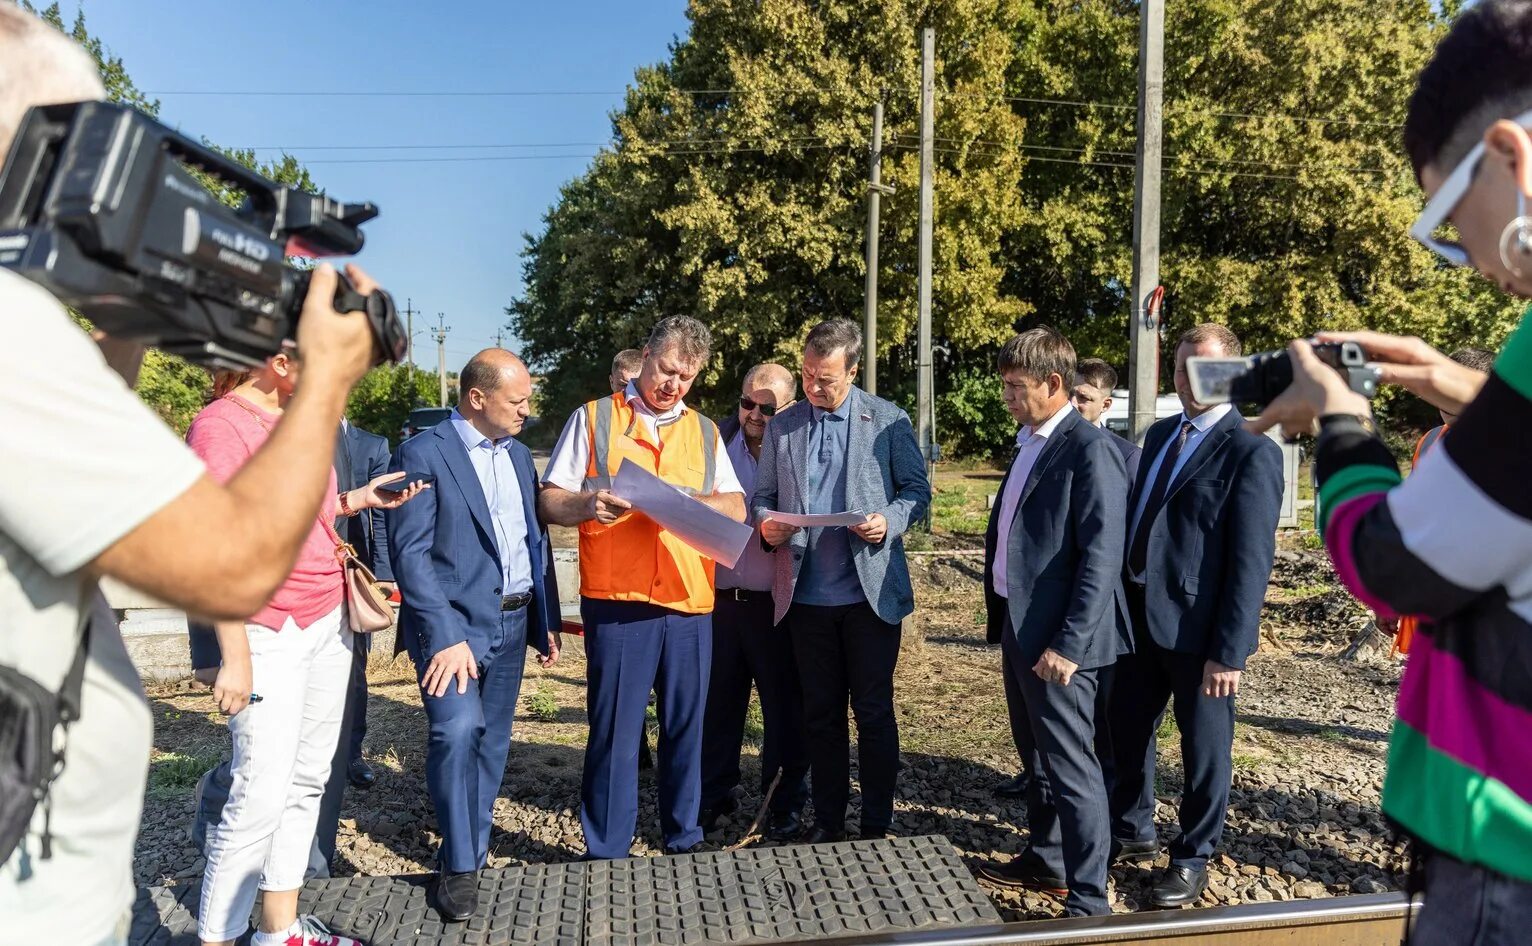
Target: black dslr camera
x=1258, y=379
x=98, y=206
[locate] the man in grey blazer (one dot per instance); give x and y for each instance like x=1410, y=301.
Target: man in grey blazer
x=1053, y=596
x=843, y=590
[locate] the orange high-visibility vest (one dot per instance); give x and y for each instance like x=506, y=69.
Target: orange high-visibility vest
x=633, y=559
x=1408, y=623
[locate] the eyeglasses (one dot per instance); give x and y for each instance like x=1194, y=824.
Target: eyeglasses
x=1446, y=199
x=767, y=410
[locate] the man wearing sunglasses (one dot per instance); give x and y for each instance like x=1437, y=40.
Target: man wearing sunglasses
x=746, y=649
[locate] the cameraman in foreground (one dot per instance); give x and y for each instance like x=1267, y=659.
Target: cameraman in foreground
x=1453, y=544
x=98, y=486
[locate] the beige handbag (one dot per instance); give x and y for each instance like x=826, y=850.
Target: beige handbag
x=367, y=607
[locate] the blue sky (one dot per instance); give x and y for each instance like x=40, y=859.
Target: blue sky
x=450, y=234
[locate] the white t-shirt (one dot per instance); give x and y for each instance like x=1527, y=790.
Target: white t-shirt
x=87, y=462
x=571, y=455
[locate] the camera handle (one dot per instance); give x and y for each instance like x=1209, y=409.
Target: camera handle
x=381, y=315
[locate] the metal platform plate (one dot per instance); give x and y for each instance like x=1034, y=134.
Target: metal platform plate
x=760, y=895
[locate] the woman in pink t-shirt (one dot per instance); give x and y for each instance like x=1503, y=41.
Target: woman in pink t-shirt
x=283, y=684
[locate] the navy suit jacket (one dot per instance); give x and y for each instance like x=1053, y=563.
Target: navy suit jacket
x=1212, y=542
x=367, y=532
x=445, y=559
x=1064, y=551
x=1130, y=454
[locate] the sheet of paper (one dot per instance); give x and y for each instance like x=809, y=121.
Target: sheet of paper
x=818, y=519
x=704, y=529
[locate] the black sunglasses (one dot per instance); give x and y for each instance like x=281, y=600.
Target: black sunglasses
x=767, y=410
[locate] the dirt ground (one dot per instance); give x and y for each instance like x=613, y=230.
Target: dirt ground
x=1313, y=720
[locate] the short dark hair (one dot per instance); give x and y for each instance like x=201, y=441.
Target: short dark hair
x=1212, y=332
x=1096, y=373
x=1480, y=73
x=1037, y=353
x=1479, y=359
x=691, y=338
x=828, y=337
x=629, y=359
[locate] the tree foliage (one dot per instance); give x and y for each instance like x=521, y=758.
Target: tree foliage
x=1286, y=196
x=382, y=400
x=174, y=388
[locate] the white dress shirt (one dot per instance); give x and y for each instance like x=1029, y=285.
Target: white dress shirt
x=571, y=455
x=1201, y=424
x=1030, y=442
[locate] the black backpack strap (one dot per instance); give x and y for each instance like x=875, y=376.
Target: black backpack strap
x=69, y=693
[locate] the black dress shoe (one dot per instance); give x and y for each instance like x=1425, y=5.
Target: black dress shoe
x=694, y=849
x=1179, y=887
x=1014, y=787
x=710, y=815
x=360, y=775
x=1135, y=852
x=1025, y=873
x=818, y=835
x=874, y=834
x=457, y=895
x=784, y=826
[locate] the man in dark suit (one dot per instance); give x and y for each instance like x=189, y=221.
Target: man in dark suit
x=1053, y=560
x=476, y=573
x=361, y=457
x=843, y=591
x=1092, y=397
x=1201, y=539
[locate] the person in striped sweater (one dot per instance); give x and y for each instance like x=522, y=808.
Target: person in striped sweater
x=1453, y=544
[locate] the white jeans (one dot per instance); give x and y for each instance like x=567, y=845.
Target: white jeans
x=282, y=751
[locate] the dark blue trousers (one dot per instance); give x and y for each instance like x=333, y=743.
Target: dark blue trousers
x=467, y=743
x=632, y=648
x=1144, y=682
x=746, y=648
x=1066, y=800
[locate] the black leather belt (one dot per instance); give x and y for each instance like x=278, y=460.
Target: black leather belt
x=744, y=594
x=515, y=602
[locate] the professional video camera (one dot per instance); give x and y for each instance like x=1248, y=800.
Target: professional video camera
x=98, y=206
x=1258, y=379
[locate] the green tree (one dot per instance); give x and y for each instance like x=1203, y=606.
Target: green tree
x=1287, y=198
x=382, y=400
x=173, y=387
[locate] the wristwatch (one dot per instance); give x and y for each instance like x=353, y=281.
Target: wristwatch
x=1365, y=420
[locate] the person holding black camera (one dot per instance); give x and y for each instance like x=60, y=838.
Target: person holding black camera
x=100, y=487
x=1453, y=543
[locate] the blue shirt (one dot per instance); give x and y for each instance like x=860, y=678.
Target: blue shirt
x=828, y=576
x=755, y=570
x=496, y=471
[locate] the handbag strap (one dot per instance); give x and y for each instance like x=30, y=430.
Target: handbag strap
x=69, y=692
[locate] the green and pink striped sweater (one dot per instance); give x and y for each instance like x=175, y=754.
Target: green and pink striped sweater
x=1452, y=545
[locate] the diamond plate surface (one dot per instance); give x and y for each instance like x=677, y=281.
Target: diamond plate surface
x=759, y=895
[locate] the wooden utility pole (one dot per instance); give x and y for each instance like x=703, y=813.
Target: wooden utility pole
x=1144, y=322
x=875, y=191
x=925, y=422
x=440, y=332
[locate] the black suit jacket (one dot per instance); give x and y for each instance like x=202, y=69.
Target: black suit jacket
x=366, y=458
x=1211, y=543
x=1130, y=454
x=1064, y=551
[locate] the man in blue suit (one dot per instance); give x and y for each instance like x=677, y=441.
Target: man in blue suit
x=843, y=591
x=1201, y=539
x=1052, y=590
x=476, y=573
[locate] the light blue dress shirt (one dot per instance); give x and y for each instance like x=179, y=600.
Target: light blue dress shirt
x=496, y=471
x=828, y=576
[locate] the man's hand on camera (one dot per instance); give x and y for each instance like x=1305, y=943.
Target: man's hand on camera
x=338, y=345
x=1317, y=390
x=1417, y=367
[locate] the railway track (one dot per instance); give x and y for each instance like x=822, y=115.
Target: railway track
x=1374, y=920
